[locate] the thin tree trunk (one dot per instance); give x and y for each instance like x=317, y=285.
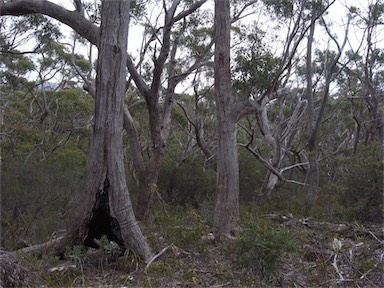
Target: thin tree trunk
x=312, y=174
x=314, y=124
x=148, y=186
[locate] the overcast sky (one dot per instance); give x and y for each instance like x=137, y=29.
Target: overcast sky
x=337, y=12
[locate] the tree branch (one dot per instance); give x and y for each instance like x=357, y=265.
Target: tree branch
x=71, y=18
x=265, y=162
x=189, y=11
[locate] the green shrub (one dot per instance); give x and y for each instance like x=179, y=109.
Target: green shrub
x=251, y=176
x=39, y=198
x=358, y=191
x=183, y=227
x=186, y=183
x=260, y=248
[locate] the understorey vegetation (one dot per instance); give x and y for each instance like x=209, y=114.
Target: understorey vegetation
x=273, y=250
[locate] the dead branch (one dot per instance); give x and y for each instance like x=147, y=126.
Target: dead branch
x=39, y=249
x=156, y=256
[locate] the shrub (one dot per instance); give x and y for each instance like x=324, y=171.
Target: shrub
x=358, y=190
x=260, y=247
x=183, y=227
x=251, y=176
x=39, y=197
x=188, y=183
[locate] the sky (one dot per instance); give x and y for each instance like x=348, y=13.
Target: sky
x=337, y=13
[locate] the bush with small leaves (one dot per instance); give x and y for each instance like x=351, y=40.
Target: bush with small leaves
x=260, y=248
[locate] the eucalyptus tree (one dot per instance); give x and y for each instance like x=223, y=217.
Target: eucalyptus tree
x=167, y=66
x=159, y=126
x=182, y=34
x=303, y=18
x=258, y=84
x=226, y=211
x=107, y=200
x=35, y=69
x=263, y=78
x=362, y=77
x=266, y=78
x=156, y=78
x=314, y=119
x=373, y=76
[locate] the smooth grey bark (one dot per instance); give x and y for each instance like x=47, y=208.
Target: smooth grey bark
x=279, y=137
x=226, y=208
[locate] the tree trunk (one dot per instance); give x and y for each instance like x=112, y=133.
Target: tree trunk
x=226, y=211
x=148, y=185
x=108, y=209
x=312, y=176
x=314, y=124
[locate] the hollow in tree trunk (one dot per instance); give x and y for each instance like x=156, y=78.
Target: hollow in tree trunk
x=108, y=209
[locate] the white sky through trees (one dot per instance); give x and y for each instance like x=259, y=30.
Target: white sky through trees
x=337, y=14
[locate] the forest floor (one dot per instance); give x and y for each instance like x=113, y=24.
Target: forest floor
x=324, y=254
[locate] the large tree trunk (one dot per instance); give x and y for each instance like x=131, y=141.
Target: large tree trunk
x=108, y=209
x=226, y=211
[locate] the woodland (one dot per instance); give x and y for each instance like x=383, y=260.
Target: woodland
x=191, y=143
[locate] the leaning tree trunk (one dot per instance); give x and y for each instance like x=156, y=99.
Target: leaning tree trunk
x=226, y=211
x=108, y=209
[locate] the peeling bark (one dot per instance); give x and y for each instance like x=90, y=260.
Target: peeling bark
x=106, y=172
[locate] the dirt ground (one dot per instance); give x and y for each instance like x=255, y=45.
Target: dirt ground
x=328, y=255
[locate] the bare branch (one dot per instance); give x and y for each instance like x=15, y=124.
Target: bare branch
x=157, y=256
x=265, y=162
x=189, y=11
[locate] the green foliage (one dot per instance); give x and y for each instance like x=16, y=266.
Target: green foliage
x=256, y=66
x=251, y=175
x=359, y=187
x=282, y=8
x=28, y=132
x=39, y=198
x=188, y=183
x=179, y=117
x=77, y=252
x=257, y=69
x=182, y=227
x=261, y=247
